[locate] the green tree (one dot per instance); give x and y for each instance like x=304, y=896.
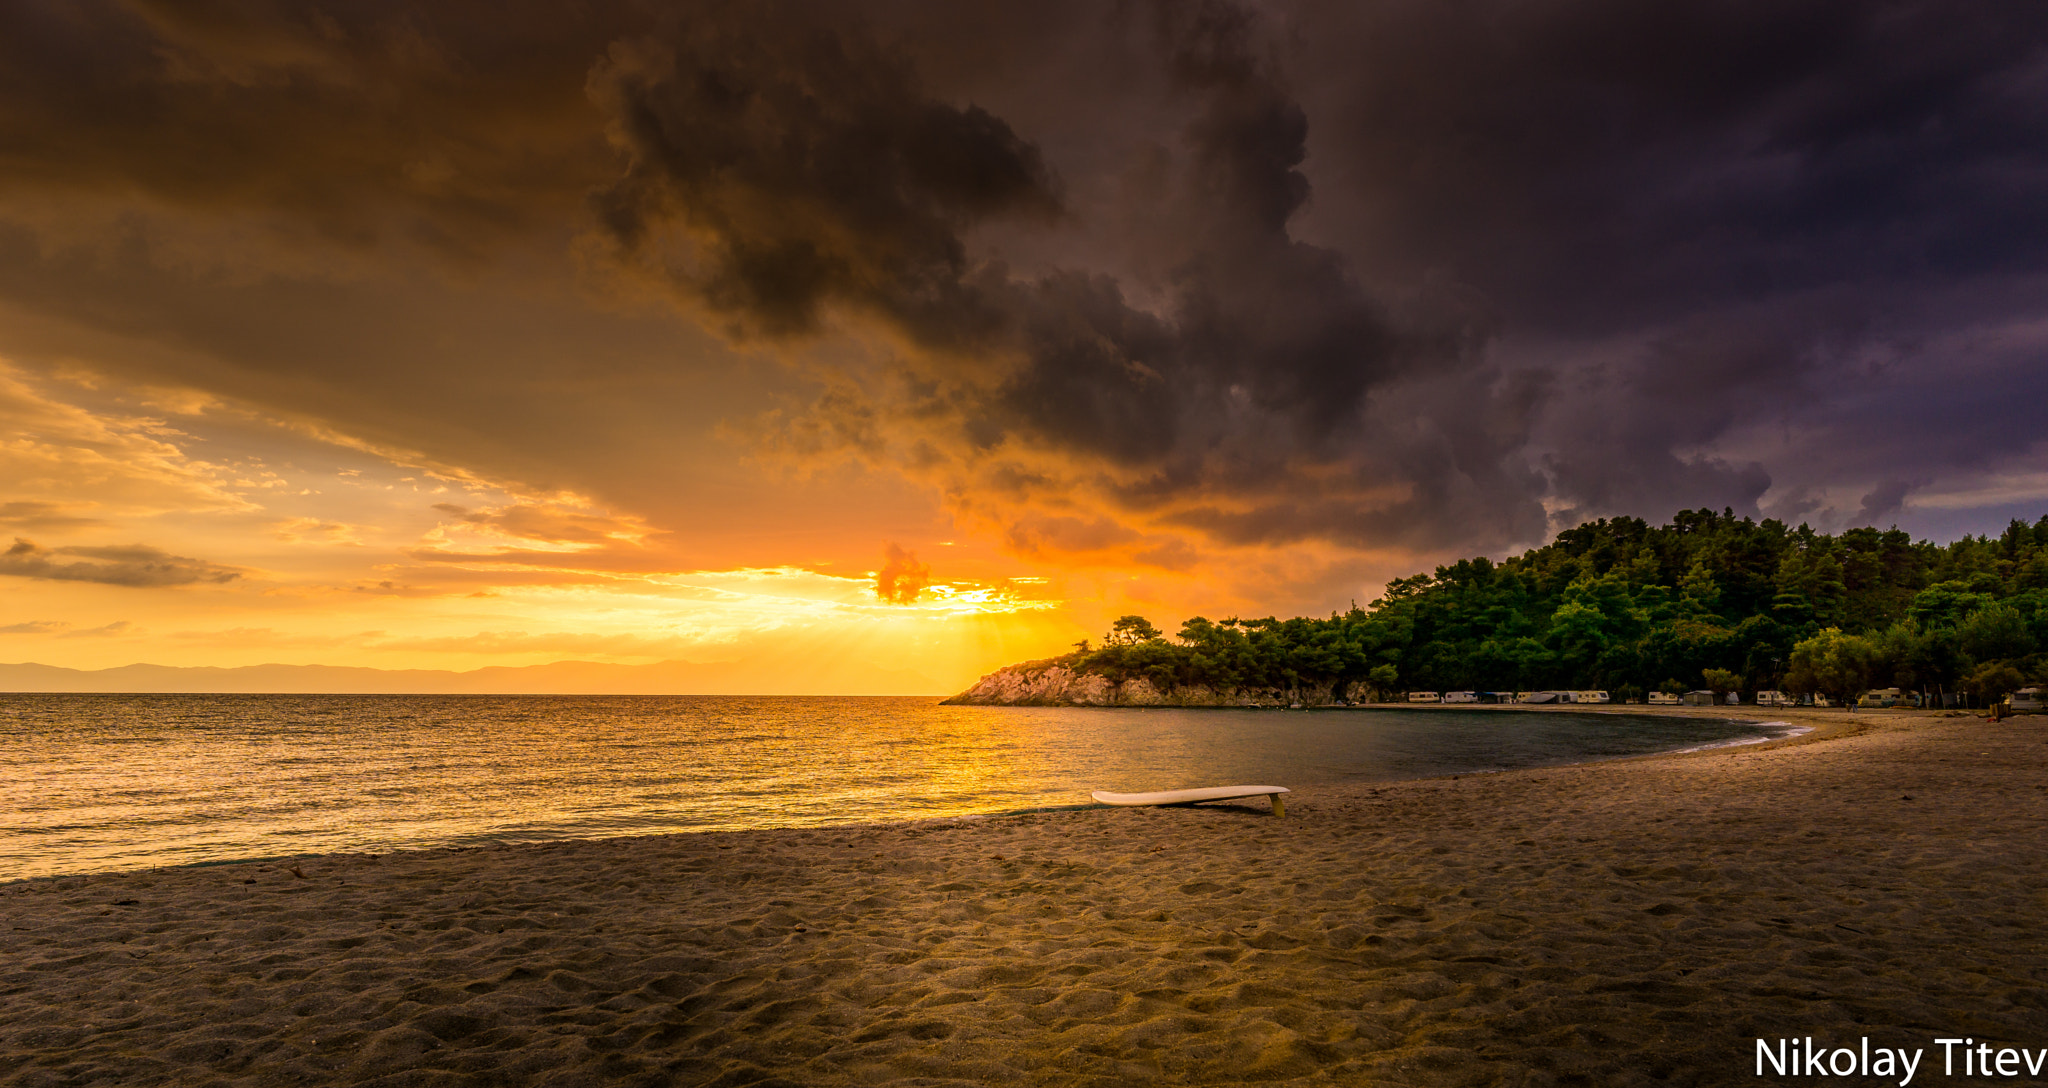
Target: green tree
x=1993, y=681
x=1383, y=678
x=1995, y=633
x=1129, y=631
x=1579, y=631
x=1721, y=681
x=1197, y=631
x=1619, y=603
x=1945, y=604
x=1699, y=591
x=1810, y=587
x=1919, y=658
x=1832, y=664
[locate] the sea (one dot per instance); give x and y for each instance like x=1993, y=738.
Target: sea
x=104, y=783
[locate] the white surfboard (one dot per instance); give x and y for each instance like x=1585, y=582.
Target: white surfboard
x=1189, y=797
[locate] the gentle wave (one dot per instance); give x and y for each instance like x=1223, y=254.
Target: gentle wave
x=1773, y=731
x=108, y=782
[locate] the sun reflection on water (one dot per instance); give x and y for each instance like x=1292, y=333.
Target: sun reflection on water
x=108, y=782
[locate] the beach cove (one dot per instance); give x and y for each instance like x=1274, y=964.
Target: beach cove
x=1635, y=921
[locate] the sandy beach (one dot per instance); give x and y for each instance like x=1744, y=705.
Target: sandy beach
x=1633, y=922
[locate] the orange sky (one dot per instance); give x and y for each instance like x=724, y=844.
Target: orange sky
x=387, y=395
x=818, y=347
x=171, y=525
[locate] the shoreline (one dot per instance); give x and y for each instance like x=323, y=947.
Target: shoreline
x=1630, y=710
x=1830, y=728
x=1636, y=920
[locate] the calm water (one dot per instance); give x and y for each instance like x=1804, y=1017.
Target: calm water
x=92, y=783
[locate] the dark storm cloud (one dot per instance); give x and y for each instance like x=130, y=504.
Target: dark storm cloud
x=1593, y=161
x=792, y=175
x=808, y=166
x=1885, y=501
x=134, y=565
x=1761, y=196
x=448, y=125
x=1706, y=214
x=1402, y=273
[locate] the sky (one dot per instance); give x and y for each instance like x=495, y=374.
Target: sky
x=871, y=347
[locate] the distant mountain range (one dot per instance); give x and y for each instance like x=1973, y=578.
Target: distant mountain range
x=555, y=678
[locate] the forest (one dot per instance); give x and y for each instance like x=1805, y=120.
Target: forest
x=1708, y=601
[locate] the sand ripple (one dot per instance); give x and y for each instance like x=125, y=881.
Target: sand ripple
x=1629, y=923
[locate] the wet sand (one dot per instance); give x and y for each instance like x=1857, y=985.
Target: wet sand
x=1634, y=922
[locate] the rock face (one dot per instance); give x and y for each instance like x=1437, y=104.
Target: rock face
x=1047, y=683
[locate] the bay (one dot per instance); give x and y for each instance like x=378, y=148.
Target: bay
x=99, y=783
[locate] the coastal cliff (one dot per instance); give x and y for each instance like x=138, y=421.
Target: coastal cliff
x=1054, y=683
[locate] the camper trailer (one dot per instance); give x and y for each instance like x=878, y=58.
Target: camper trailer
x=1775, y=698
x=1424, y=697
x=1590, y=697
x=2028, y=701
x=1461, y=697
x=1880, y=699
x=1663, y=698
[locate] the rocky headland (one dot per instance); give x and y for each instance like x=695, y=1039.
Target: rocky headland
x=1057, y=683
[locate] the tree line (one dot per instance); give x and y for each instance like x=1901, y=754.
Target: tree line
x=1709, y=599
